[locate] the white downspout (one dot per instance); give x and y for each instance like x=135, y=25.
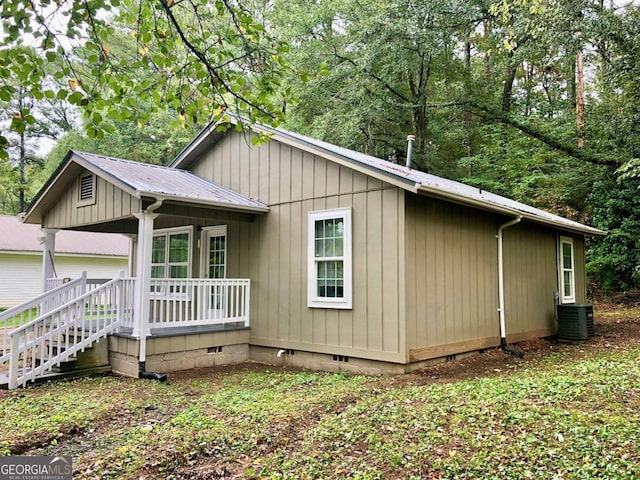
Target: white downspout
x=503, y=326
x=143, y=274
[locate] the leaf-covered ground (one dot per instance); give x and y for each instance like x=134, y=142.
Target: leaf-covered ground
x=566, y=411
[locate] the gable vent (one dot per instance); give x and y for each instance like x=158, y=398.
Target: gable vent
x=87, y=187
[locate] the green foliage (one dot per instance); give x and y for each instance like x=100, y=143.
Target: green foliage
x=559, y=418
x=614, y=261
x=8, y=187
x=528, y=171
x=201, y=59
x=381, y=63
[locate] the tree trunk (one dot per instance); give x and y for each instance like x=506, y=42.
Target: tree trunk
x=580, y=99
x=507, y=91
x=466, y=115
x=420, y=95
x=22, y=162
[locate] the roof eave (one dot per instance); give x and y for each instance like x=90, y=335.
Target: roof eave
x=584, y=230
x=208, y=203
x=370, y=170
x=71, y=157
x=195, y=143
x=34, y=208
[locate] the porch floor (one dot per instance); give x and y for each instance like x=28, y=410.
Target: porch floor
x=193, y=330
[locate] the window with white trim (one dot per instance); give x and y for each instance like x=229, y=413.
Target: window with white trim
x=171, y=254
x=567, y=271
x=329, y=279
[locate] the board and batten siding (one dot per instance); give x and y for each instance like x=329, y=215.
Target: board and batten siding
x=451, y=278
x=112, y=203
x=530, y=280
x=272, y=250
x=21, y=274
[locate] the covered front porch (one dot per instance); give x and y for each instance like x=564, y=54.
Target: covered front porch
x=180, y=281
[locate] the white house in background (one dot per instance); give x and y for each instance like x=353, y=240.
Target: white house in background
x=101, y=255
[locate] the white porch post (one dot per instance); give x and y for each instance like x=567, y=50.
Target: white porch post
x=48, y=255
x=143, y=274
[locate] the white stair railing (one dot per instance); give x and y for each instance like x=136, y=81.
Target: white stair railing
x=36, y=307
x=59, y=334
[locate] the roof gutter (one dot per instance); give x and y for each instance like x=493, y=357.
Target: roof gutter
x=484, y=205
x=155, y=205
x=199, y=202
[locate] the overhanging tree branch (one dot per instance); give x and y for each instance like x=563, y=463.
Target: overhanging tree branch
x=372, y=75
x=215, y=77
x=491, y=115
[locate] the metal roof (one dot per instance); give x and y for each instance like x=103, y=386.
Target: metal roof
x=24, y=237
x=427, y=183
x=143, y=179
x=404, y=177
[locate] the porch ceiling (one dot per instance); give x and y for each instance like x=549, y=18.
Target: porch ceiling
x=142, y=181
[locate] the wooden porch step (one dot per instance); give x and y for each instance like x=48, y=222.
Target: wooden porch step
x=85, y=372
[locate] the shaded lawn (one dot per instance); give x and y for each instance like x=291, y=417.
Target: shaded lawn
x=556, y=417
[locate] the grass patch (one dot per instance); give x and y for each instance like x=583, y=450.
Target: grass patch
x=18, y=320
x=577, y=420
x=563, y=417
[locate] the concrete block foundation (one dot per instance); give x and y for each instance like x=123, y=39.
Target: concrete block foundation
x=172, y=353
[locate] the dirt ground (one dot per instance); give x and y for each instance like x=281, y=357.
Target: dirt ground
x=617, y=327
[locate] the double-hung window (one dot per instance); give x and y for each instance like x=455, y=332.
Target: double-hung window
x=170, y=255
x=329, y=283
x=567, y=271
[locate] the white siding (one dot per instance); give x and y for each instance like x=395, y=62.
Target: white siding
x=20, y=274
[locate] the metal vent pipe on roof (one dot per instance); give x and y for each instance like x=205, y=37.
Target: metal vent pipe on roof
x=410, y=140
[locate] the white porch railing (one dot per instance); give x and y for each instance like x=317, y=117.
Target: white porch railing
x=34, y=308
x=57, y=335
x=198, y=301
x=52, y=328
x=91, y=283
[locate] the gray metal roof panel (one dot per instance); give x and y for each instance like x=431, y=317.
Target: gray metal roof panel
x=413, y=180
x=152, y=180
x=443, y=185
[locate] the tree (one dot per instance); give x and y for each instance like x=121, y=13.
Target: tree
x=614, y=261
x=201, y=58
x=31, y=119
x=385, y=64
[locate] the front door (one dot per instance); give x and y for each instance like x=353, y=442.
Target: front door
x=214, y=265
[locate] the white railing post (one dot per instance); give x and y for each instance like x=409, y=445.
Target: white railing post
x=83, y=283
x=247, y=302
x=13, y=363
x=120, y=298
